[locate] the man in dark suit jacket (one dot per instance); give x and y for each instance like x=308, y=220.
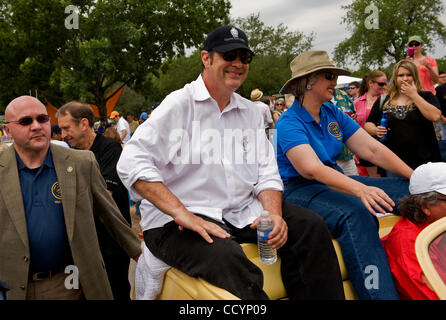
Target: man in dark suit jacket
x=47, y=213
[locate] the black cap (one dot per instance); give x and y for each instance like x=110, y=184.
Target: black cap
x=225, y=39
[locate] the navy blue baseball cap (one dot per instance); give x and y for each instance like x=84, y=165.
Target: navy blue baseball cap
x=225, y=39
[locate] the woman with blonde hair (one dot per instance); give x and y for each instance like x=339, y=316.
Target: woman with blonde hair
x=372, y=87
x=279, y=108
x=410, y=113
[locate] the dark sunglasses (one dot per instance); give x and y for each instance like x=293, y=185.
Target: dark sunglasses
x=381, y=84
x=348, y=88
x=441, y=199
x=279, y=104
x=26, y=121
x=330, y=76
x=414, y=44
x=244, y=56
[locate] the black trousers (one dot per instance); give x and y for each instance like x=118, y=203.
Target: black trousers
x=116, y=262
x=309, y=265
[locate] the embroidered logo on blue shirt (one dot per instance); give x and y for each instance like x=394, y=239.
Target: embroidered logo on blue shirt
x=333, y=129
x=55, y=191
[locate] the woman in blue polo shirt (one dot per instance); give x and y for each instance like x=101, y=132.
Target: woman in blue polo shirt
x=309, y=139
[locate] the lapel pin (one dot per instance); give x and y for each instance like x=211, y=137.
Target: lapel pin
x=70, y=169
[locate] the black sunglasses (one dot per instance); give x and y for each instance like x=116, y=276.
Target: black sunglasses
x=414, y=44
x=441, y=199
x=26, y=121
x=330, y=76
x=244, y=56
x=348, y=88
x=381, y=84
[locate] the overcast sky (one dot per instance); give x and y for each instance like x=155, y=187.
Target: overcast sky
x=323, y=17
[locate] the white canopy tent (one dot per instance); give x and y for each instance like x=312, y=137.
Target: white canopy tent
x=345, y=80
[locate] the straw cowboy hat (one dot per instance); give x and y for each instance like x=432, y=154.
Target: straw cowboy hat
x=256, y=94
x=309, y=62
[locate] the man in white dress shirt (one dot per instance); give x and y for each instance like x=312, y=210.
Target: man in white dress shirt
x=256, y=95
x=122, y=126
x=205, y=170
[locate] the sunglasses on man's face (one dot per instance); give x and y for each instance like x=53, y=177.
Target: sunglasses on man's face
x=26, y=121
x=414, y=44
x=244, y=56
x=330, y=76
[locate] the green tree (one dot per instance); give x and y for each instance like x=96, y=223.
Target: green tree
x=274, y=49
x=117, y=41
x=31, y=38
x=441, y=64
x=273, y=41
x=372, y=45
x=174, y=74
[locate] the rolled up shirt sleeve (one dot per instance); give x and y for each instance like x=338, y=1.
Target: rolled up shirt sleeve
x=150, y=148
x=269, y=177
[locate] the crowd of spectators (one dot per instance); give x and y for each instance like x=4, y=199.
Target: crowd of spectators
x=335, y=164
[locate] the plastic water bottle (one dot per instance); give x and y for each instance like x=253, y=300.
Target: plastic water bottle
x=384, y=123
x=267, y=254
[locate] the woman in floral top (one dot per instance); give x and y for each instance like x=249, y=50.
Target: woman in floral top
x=410, y=113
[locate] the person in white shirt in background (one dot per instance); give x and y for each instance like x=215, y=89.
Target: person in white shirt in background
x=122, y=126
x=256, y=95
x=205, y=171
x=56, y=137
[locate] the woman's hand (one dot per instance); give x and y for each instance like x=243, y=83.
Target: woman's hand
x=381, y=131
x=409, y=89
x=375, y=198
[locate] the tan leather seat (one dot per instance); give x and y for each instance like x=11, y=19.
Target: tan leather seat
x=179, y=286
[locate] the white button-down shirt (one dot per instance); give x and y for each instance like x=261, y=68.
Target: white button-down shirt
x=123, y=125
x=265, y=112
x=215, y=163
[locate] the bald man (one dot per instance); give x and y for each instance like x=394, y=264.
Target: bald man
x=49, y=248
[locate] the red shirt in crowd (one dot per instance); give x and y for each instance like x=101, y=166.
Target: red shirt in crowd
x=400, y=249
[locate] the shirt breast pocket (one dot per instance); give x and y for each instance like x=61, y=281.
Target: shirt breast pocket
x=248, y=166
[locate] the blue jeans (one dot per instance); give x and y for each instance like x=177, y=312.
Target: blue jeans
x=356, y=230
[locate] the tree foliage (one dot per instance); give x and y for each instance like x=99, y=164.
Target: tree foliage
x=397, y=21
x=274, y=49
x=31, y=38
x=117, y=41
